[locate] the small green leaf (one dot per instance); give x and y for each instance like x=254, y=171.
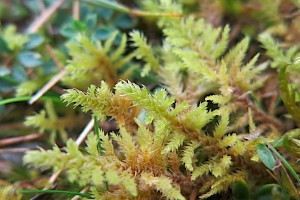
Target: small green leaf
x=286, y=95
x=30, y=59
x=103, y=32
x=3, y=46
x=124, y=22
x=266, y=156
x=265, y=192
x=35, y=40
x=240, y=190
x=4, y=71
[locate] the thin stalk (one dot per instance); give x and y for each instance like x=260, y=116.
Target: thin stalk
x=121, y=8
x=285, y=163
x=26, y=98
x=56, y=192
x=96, y=129
x=100, y=149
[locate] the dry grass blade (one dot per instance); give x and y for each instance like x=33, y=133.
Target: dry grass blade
x=9, y=141
x=46, y=87
x=76, y=9
x=44, y=17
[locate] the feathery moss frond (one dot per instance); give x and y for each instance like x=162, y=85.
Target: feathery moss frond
x=8, y=192
x=222, y=184
x=188, y=154
x=31, y=86
x=280, y=58
x=47, y=120
x=218, y=99
x=93, y=62
x=174, y=143
x=96, y=99
x=221, y=128
x=42, y=159
x=144, y=52
x=126, y=143
x=162, y=184
x=197, y=118
x=157, y=105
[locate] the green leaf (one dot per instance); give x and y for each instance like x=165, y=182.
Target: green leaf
x=103, y=32
x=4, y=47
x=30, y=59
x=286, y=96
x=266, y=156
x=265, y=192
x=124, y=22
x=4, y=71
x=240, y=190
x=35, y=40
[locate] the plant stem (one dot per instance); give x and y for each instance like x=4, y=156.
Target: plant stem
x=26, y=98
x=56, y=192
x=96, y=129
x=285, y=163
x=121, y=8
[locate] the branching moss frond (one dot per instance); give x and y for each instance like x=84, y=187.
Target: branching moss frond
x=197, y=118
x=174, y=143
x=218, y=167
x=126, y=143
x=30, y=86
x=8, y=192
x=145, y=136
x=47, y=120
x=96, y=99
x=157, y=105
x=188, y=154
x=163, y=184
x=223, y=184
x=280, y=58
x=144, y=51
x=93, y=62
x=221, y=128
x=218, y=99
x=45, y=159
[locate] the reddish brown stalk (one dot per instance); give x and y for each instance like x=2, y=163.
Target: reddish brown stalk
x=53, y=56
x=76, y=9
x=44, y=17
x=14, y=140
x=258, y=113
x=14, y=150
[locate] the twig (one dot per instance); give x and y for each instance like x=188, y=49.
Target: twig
x=82, y=191
x=14, y=150
x=53, y=56
x=85, y=131
x=46, y=87
x=9, y=126
x=9, y=141
x=44, y=17
x=121, y=8
x=76, y=9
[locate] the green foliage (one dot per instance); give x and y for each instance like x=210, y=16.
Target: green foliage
x=208, y=123
x=100, y=103
x=144, y=52
x=92, y=62
x=14, y=40
x=9, y=193
x=162, y=184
